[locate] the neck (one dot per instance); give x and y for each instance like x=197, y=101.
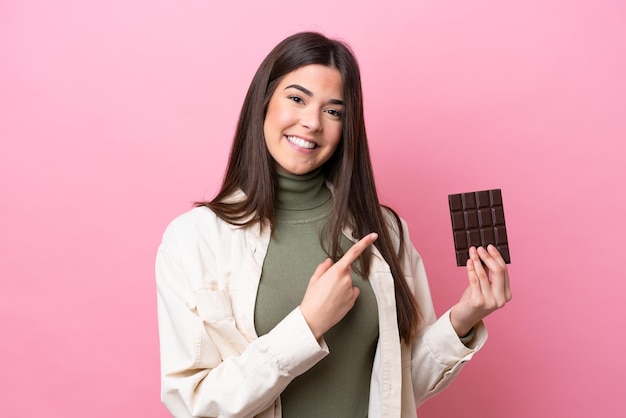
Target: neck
x=301, y=192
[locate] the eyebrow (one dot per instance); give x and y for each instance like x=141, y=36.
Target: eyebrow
x=310, y=93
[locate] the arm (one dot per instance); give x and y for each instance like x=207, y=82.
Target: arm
x=440, y=349
x=437, y=352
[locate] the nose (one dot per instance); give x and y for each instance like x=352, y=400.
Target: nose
x=311, y=119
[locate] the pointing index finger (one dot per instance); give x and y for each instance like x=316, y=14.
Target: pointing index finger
x=357, y=249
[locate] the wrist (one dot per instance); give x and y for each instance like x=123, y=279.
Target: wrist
x=315, y=328
x=462, y=328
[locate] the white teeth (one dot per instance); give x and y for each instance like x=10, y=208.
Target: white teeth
x=300, y=142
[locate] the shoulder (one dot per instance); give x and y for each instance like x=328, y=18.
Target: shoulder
x=191, y=221
x=197, y=225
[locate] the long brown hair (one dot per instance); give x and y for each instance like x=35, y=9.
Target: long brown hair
x=251, y=169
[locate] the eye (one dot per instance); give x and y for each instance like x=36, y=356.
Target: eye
x=296, y=99
x=335, y=113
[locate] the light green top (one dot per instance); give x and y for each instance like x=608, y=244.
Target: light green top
x=338, y=386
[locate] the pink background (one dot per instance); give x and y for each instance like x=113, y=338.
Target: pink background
x=114, y=116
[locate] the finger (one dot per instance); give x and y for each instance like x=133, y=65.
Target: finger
x=499, y=274
x=490, y=263
x=504, y=271
x=321, y=269
x=478, y=266
x=355, y=293
x=498, y=286
x=474, y=283
x=356, y=250
x=493, y=252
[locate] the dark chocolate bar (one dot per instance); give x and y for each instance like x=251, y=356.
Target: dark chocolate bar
x=478, y=220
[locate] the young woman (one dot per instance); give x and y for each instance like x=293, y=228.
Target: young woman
x=293, y=292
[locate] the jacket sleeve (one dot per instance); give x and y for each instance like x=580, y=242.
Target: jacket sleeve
x=208, y=368
x=437, y=353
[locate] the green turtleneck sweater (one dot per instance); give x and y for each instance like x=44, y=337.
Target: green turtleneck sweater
x=338, y=386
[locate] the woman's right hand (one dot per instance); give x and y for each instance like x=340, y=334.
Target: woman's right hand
x=330, y=294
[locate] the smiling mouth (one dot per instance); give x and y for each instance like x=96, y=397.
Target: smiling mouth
x=299, y=142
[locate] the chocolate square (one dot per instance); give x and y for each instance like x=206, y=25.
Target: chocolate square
x=478, y=220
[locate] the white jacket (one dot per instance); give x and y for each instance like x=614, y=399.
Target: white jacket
x=213, y=364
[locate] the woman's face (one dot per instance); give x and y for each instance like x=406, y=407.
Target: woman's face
x=304, y=119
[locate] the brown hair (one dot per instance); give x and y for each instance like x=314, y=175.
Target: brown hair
x=349, y=171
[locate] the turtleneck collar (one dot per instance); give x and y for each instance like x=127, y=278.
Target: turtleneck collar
x=301, y=192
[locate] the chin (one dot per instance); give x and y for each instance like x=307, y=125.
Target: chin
x=298, y=170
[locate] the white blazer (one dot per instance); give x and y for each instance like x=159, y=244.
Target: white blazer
x=213, y=364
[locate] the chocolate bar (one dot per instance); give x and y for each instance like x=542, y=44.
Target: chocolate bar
x=478, y=220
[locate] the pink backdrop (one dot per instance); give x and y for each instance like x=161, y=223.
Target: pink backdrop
x=114, y=116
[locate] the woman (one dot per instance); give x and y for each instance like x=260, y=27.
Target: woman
x=293, y=293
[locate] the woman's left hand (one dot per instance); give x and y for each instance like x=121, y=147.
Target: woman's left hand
x=488, y=289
